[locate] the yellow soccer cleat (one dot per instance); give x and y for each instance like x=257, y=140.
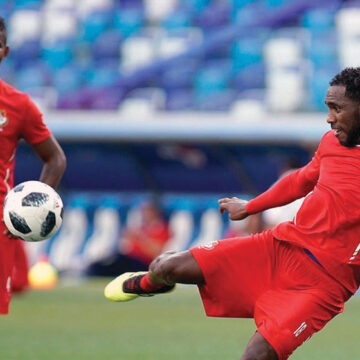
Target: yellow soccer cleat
x=127, y=287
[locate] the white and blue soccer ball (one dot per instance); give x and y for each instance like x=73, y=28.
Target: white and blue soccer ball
x=33, y=211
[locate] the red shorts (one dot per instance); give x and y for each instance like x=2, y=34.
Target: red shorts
x=7, y=253
x=278, y=284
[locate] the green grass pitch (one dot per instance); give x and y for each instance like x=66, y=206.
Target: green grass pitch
x=77, y=322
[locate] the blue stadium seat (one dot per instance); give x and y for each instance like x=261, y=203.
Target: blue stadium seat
x=213, y=78
x=57, y=55
x=319, y=85
x=128, y=21
x=177, y=20
x=31, y=77
x=215, y=15
x=319, y=20
x=322, y=51
x=250, y=77
x=195, y=6
x=94, y=25
x=179, y=100
x=239, y=4
x=27, y=51
x=67, y=79
x=103, y=76
x=216, y=101
x=180, y=75
x=247, y=51
x=107, y=45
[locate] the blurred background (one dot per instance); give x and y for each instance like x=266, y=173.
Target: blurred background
x=164, y=106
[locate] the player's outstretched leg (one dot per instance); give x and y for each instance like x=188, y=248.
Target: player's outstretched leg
x=164, y=272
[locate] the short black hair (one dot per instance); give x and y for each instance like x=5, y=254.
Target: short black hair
x=350, y=78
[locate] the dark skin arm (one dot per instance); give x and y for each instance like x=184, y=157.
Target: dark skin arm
x=54, y=163
x=235, y=206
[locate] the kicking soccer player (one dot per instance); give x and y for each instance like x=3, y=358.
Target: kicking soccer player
x=294, y=278
x=20, y=118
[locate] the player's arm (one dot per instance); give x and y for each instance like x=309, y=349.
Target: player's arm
x=289, y=188
x=54, y=160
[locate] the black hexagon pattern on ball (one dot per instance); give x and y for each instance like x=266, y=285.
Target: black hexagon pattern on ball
x=35, y=199
x=19, y=223
x=48, y=224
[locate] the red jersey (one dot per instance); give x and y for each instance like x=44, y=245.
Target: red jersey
x=19, y=118
x=328, y=222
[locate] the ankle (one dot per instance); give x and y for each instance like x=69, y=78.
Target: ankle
x=149, y=285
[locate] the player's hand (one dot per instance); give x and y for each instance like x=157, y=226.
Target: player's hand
x=235, y=206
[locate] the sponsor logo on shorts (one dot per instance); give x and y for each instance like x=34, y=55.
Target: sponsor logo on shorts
x=209, y=246
x=8, y=284
x=300, y=329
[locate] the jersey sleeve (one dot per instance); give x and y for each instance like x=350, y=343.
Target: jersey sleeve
x=34, y=129
x=289, y=188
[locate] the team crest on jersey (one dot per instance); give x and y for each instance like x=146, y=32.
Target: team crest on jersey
x=210, y=245
x=3, y=119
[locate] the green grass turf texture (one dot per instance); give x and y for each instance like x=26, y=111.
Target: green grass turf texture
x=77, y=322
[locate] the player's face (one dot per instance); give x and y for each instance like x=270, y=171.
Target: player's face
x=344, y=116
x=4, y=49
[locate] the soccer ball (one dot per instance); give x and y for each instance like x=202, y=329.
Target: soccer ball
x=33, y=211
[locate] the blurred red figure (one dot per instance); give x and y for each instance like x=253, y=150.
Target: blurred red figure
x=146, y=242
x=20, y=119
x=139, y=244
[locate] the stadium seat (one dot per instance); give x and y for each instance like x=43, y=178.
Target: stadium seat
x=18, y=33
x=128, y=21
x=103, y=242
x=246, y=52
x=212, y=79
x=58, y=25
x=57, y=55
x=64, y=250
x=180, y=75
x=217, y=14
x=67, y=79
x=137, y=52
x=142, y=102
x=107, y=46
x=178, y=100
x=31, y=77
x=319, y=20
x=177, y=20
x=157, y=10
x=215, y=101
x=88, y=7
x=94, y=25
x=348, y=29
x=322, y=51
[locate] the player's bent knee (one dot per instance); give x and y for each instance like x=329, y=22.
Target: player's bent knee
x=174, y=267
x=164, y=266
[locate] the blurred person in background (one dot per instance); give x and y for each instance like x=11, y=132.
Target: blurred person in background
x=138, y=245
x=20, y=119
x=296, y=277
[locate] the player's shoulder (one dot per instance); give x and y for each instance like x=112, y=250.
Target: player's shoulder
x=329, y=138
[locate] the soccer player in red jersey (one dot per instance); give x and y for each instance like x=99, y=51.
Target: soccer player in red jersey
x=20, y=118
x=294, y=278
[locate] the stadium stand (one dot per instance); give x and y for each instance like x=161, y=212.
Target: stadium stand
x=223, y=47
